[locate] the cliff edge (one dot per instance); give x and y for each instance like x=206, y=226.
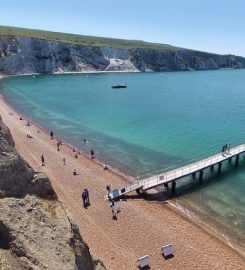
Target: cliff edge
x=35, y=230
x=26, y=54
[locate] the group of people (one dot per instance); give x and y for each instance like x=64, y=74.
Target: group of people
x=29, y=136
x=226, y=149
x=85, y=194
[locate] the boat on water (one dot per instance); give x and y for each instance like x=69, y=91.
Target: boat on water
x=119, y=86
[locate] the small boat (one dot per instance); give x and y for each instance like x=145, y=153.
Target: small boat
x=119, y=86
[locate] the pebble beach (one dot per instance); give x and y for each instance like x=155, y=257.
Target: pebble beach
x=142, y=227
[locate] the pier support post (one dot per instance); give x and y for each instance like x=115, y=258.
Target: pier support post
x=166, y=185
x=141, y=192
x=230, y=160
x=212, y=168
x=200, y=176
x=237, y=159
x=173, y=187
x=219, y=168
x=194, y=175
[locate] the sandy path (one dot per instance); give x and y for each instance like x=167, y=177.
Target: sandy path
x=142, y=226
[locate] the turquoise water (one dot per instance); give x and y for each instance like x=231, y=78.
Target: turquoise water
x=160, y=121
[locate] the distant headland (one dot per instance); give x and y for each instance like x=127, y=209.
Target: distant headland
x=26, y=51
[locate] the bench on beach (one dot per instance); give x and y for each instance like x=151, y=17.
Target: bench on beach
x=144, y=262
x=168, y=251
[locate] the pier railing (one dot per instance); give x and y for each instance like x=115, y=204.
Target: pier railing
x=188, y=169
x=175, y=174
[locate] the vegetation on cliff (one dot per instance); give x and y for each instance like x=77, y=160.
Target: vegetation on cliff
x=82, y=39
x=25, y=51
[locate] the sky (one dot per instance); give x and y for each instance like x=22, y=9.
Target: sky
x=216, y=26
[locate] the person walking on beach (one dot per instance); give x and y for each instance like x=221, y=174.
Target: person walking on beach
x=84, y=198
x=113, y=210
x=74, y=172
x=42, y=160
x=64, y=161
x=108, y=188
x=92, y=154
x=58, y=145
x=51, y=135
x=87, y=196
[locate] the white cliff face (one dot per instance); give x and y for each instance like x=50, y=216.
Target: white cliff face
x=19, y=55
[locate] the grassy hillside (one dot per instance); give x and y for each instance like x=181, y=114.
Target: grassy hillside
x=83, y=40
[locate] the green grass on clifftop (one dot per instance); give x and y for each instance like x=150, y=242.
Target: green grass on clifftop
x=83, y=40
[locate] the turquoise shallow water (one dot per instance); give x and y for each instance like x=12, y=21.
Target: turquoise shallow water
x=159, y=121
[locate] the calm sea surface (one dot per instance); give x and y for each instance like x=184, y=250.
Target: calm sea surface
x=160, y=121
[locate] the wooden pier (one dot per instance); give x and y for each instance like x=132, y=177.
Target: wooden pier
x=195, y=169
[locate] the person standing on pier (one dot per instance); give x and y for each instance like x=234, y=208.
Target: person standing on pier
x=223, y=150
x=228, y=148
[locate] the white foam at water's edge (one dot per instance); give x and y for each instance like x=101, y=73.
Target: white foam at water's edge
x=210, y=229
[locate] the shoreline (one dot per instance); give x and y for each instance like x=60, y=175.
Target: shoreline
x=179, y=208
x=169, y=205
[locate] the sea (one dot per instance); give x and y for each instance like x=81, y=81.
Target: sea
x=160, y=121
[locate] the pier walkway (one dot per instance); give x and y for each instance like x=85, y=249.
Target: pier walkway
x=177, y=174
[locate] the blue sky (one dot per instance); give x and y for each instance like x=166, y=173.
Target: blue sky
x=208, y=25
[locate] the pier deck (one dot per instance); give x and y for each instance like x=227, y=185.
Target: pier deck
x=174, y=175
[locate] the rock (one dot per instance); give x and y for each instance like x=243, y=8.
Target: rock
x=24, y=55
x=35, y=230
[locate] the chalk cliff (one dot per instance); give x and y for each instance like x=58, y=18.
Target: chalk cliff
x=35, y=230
x=20, y=54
